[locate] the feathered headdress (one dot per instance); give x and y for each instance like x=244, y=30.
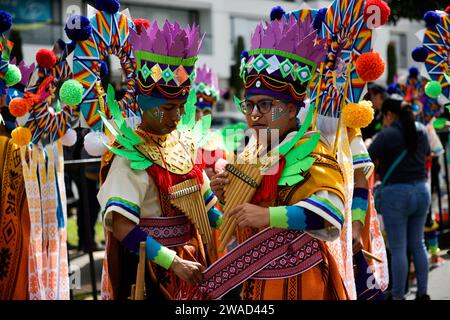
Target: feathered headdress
x=206, y=87
x=283, y=56
x=165, y=60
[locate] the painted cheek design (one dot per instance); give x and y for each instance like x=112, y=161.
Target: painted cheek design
x=278, y=113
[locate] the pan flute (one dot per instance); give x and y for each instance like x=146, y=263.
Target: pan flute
x=187, y=197
x=244, y=181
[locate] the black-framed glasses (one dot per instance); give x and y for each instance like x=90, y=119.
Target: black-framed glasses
x=263, y=106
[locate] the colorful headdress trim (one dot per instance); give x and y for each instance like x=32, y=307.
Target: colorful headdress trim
x=289, y=66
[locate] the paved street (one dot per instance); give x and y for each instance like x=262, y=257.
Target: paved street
x=438, y=285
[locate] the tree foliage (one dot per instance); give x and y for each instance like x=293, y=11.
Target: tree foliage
x=413, y=9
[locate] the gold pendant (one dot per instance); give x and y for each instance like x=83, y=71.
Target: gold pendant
x=174, y=151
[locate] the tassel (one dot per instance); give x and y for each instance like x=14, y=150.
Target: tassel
x=165, y=179
x=267, y=191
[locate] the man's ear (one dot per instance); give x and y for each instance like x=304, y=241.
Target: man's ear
x=292, y=111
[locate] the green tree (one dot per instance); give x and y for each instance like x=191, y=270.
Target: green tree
x=235, y=79
x=16, y=51
x=413, y=9
x=391, y=62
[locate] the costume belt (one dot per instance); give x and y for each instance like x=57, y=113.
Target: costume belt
x=169, y=231
x=271, y=254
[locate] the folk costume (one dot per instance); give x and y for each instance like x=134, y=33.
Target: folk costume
x=434, y=54
x=141, y=171
x=14, y=216
x=33, y=191
x=304, y=190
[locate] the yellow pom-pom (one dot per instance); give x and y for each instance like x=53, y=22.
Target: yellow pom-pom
x=358, y=115
x=21, y=136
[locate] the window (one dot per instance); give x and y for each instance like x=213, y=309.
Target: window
x=183, y=16
x=38, y=21
x=400, y=42
x=242, y=27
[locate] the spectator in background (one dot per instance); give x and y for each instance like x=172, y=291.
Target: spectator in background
x=376, y=94
x=405, y=198
x=91, y=173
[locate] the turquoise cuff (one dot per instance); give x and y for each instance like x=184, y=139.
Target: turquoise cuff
x=215, y=218
x=159, y=254
x=359, y=209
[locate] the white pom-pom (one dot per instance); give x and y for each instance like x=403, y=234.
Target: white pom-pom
x=94, y=143
x=70, y=138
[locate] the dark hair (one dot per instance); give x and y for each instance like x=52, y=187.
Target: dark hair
x=374, y=89
x=407, y=119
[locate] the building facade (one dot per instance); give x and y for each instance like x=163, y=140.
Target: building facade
x=41, y=22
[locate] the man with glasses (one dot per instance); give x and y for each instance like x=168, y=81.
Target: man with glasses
x=299, y=203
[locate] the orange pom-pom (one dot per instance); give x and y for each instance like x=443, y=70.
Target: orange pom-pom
x=46, y=58
x=18, y=107
x=369, y=66
x=21, y=136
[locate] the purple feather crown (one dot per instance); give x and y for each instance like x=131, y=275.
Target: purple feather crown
x=171, y=40
x=283, y=51
x=166, y=58
x=206, y=87
x=207, y=76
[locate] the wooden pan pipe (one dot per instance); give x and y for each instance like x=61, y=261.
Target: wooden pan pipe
x=187, y=197
x=244, y=181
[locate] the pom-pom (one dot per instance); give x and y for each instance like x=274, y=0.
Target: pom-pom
x=45, y=58
x=13, y=75
x=70, y=138
x=94, y=143
x=141, y=24
x=276, y=13
x=431, y=18
x=447, y=10
x=369, y=66
x=319, y=18
x=244, y=54
x=78, y=28
x=5, y=21
x=71, y=92
x=413, y=72
x=358, y=115
x=104, y=69
x=392, y=88
x=383, y=11
x=433, y=89
x=21, y=136
x=18, y=107
x=419, y=54
x=109, y=6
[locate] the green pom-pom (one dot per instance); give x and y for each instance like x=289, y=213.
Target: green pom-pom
x=439, y=123
x=433, y=89
x=12, y=76
x=71, y=93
